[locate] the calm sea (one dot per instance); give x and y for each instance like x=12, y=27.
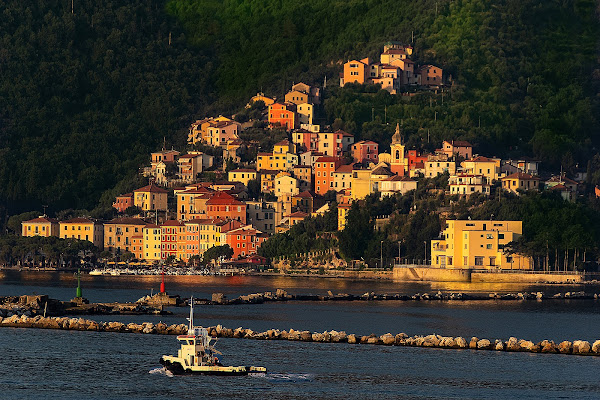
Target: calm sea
x=40, y=364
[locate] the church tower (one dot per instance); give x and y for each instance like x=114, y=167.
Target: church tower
x=399, y=163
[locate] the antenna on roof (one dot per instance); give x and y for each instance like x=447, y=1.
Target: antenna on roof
x=164, y=143
x=44, y=207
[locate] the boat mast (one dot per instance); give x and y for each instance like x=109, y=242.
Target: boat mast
x=191, y=318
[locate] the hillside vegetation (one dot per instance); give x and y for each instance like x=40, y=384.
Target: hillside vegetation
x=85, y=95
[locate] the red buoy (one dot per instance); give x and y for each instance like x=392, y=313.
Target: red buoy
x=162, y=284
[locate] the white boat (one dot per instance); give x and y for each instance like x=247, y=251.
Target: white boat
x=198, y=356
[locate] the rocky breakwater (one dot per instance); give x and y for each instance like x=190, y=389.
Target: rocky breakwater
x=513, y=344
x=282, y=295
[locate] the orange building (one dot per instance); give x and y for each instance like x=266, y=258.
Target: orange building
x=123, y=202
x=365, y=152
x=356, y=71
x=119, y=235
x=224, y=205
x=324, y=169
x=430, y=75
x=245, y=240
x=283, y=114
x=41, y=226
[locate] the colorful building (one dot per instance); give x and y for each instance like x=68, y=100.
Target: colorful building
x=243, y=175
x=324, y=169
x=283, y=114
x=168, y=236
x=219, y=133
x=152, y=242
x=488, y=167
x=520, y=181
x=41, y=226
x=431, y=76
x=223, y=205
x=150, y=198
x=396, y=184
x=478, y=245
x=119, y=235
x=82, y=229
x=244, y=240
x=123, y=202
x=467, y=184
x=457, y=147
x=365, y=152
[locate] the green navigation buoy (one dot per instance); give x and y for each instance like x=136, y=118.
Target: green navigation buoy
x=78, y=293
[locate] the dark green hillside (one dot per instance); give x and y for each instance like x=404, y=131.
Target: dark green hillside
x=522, y=70
x=85, y=96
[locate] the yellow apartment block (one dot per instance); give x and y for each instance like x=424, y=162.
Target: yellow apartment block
x=83, y=229
x=41, y=226
x=478, y=245
x=152, y=242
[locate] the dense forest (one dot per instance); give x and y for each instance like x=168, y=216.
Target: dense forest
x=88, y=88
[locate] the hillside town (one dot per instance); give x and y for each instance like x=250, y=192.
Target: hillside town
x=200, y=200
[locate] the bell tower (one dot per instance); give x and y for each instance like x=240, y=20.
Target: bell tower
x=399, y=163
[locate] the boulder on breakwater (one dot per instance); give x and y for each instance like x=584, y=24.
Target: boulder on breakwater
x=577, y=347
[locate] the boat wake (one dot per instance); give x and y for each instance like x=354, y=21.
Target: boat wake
x=160, y=371
x=285, y=377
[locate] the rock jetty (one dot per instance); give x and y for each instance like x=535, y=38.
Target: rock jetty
x=577, y=347
x=282, y=295
x=32, y=305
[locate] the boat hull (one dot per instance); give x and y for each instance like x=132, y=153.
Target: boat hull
x=176, y=368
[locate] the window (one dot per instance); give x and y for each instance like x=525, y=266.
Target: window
x=478, y=260
x=501, y=236
x=489, y=236
x=488, y=246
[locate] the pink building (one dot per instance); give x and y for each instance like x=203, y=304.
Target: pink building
x=365, y=151
x=221, y=132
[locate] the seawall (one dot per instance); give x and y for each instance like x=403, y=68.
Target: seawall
x=421, y=273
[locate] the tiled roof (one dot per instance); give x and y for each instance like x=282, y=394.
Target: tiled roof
x=172, y=222
x=126, y=221
x=522, y=176
x=223, y=198
x=77, y=220
x=151, y=189
x=41, y=220
x=327, y=159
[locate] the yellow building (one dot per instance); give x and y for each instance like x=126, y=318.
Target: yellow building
x=41, y=226
x=343, y=209
x=243, y=175
x=438, y=165
x=520, y=180
x=83, y=229
x=260, y=97
x=122, y=235
x=150, y=198
x=151, y=242
x=467, y=184
x=367, y=181
x=488, y=167
x=478, y=245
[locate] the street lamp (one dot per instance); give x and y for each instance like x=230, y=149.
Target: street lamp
x=425, y=245
x=381, y=255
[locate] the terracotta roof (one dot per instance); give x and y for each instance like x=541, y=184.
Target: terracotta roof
x=307, y=194
x=344, y=133
x=151, y=189
x=394, y=51
x=365, y=142
x=328, y=159
x=397, y=178
x=126, y=195
x=563, y=179
x=264, y=154
x=172, y=222
x=189, y=156
x=481, y=159
x=284, y=142
x=126, y=221
x=301, y=166
x=297, y=214
x=269, y=171
x=77, y=220
x=151, y=226
x=345, y=168
x=459, y=143
x=223, y=198
x=41, y=220
x=382, y=171
x=522, y=176
x=243, y=170
x=562, y=188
